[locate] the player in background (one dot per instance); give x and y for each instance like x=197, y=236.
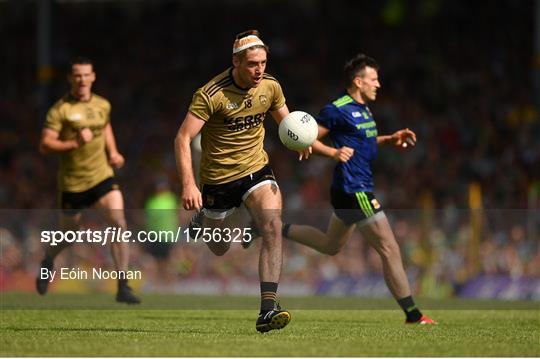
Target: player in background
x=352, y=129
x=229, y=112
x=78, y=128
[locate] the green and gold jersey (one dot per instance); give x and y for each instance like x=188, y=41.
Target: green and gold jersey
x=232, y=138
x=86, y=166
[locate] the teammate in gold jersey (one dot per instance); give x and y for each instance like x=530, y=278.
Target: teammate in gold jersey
x=229, y=112
x=78, y=128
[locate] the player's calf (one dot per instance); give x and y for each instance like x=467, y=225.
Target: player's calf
x=196, y=225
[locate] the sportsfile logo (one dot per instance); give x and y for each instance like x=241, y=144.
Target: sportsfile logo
x=120, y=235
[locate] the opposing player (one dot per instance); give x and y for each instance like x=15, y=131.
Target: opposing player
x=229, y=112
x=352, y=129
x=78, y=128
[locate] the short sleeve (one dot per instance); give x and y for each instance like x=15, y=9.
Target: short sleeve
x=279, y=99
x=108, y=108
x=53, y=120
x=201, y=105
x=327, y=117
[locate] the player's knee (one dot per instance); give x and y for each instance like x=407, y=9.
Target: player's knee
x=332, y=249
x=271, y=228
x=389, y=250
x=118, y=221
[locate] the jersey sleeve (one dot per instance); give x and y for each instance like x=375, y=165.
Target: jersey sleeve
x=108, y=108
x=201, y=105
x=279, y=99
x=327, y=117
x=53, y=120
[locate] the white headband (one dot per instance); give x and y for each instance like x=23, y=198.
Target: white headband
x=245, y=43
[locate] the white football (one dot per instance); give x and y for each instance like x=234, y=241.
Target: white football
x=298, y=130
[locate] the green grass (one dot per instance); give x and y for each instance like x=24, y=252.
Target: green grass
x=170, y=326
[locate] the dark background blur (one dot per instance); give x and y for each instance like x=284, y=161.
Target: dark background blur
x=461, y=74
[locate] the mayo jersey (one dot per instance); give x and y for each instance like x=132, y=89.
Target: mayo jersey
x=232, y=138
x=351, y=124
x=86, y=166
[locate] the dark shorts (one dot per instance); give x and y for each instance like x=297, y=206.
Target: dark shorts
x=354, y=207
x=73, y=202
x=220, y=199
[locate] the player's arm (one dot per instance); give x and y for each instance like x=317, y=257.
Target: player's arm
x=342, y=154
x=50, y=141
x=400, y=139
x=191, y=196
x=115, y=158
x=278, y=116
x=280, y=113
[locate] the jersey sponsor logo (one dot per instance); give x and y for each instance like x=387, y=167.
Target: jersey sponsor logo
x=231, y=106
x=244, y=122
x=371, y=133
x=365, y=125
x=75, y=117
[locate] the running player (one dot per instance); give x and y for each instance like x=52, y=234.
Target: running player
x=78, y=128
x=352, y=129
x=229, y=112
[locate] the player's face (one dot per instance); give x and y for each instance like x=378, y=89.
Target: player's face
x=81, y=78
x=250, y=68
x=369, y=83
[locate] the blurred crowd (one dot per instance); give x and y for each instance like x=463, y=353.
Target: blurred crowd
x=439, y=256
x=458, y=73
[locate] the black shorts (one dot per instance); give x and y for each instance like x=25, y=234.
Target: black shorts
x=219, y=199
x=354, y=207
x=73, y=202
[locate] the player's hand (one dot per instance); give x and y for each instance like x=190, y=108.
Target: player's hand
x=343, y=154
x=191, y=198
x=403, y=138
x=116, y=160
x=304, y=155
x=85, y=136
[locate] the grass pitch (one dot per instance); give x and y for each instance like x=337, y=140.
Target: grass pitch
x=91, y=325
